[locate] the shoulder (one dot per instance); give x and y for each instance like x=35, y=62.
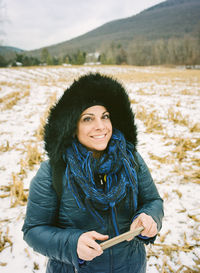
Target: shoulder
x=140, y=161
x=44, y=170
x=143, y=172
x=41, y=184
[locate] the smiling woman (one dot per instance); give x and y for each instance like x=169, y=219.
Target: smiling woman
x=94, y=129
x=94, y=186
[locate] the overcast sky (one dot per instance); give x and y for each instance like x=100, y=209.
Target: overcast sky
x=31, y=24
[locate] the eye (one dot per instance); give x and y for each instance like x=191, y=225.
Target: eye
x=106, y=116
x=87, y=119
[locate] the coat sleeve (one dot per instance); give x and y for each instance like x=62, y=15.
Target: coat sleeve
x=40, y=231
x=149, y=200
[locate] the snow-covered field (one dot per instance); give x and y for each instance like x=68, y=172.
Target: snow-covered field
x=167, y=106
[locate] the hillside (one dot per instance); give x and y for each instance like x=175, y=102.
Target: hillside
x=172, y=18
x=8, y=51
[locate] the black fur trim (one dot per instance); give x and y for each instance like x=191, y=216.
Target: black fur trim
x=91, y=89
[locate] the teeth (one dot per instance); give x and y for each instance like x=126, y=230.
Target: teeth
x=99, y=137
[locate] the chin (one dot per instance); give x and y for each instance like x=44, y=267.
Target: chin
x=100, y=148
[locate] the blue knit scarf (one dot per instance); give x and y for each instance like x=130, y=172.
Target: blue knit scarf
x=117, y=163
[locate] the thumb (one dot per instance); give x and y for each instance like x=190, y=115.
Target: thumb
x=135, y=224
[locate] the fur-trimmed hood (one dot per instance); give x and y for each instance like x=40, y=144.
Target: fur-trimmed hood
x=88, y=90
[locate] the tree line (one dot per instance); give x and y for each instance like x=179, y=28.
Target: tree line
x=176, y=51
x=140, y=51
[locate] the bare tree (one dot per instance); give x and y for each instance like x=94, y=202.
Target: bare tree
x=2, y=20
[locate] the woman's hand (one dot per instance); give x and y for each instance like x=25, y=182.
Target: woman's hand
x=87, y=247
x=146, y=221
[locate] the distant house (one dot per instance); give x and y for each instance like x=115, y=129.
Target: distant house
x=92, y=58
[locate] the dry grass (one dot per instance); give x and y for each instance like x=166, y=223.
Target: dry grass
x=16, y=190
x=159, y=75
x=163, y=237
x=12, y=99
x=17, y=193
x=195, y=128
x=151, y=120
x=178, y=118
x=191, y=176
x=133, y=101
x=183, y=145
x=187, y=92
x=168, y=252
x=33, y=156
x=168, y=159
x=142, y=92
x=5, y=242
x=5, y=147
x=189, y=171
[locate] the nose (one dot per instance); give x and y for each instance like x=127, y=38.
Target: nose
x=99, y=124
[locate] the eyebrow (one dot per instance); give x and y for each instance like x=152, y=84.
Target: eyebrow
x=91, y=114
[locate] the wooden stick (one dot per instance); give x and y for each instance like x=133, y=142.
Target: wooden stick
x=121, y=238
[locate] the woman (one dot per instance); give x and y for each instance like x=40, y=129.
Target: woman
x=94, y=186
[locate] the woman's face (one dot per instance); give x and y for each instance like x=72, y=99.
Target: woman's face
x=94, y=128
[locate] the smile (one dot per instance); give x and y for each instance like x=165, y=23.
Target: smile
x=99, y=137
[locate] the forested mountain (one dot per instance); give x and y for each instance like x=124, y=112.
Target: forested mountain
x=166, y=33
x=172, y=18
x=8, y=52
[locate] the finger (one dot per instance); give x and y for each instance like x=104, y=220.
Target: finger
x=153, y=230
x=93, y=244
x=135, y=224
x=99, y=236
x=150, y=229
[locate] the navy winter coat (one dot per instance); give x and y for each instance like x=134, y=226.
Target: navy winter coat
x=53, y=230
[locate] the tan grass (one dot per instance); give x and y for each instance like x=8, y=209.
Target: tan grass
x=133, y=101
x=5, y=241
x=153, y=123
x=12, y=99
x=188, y=174
x=191, y=176
x=178, y=118
x=141, y=113
x=194, y=217
x=167, y=249
x=178, y=104
x=17, y=193
x=5, y=147
x=165, y=196
x=151, y=120
x=164, y=160
x=33, y=156
x=177, y=192
x=144, y=92
x=160, y=75
x=195, y=128
x=187, y=92
x=163, y=236
x=183, y=145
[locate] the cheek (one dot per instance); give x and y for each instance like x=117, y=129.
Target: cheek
x=109, y=126
x=81, y=132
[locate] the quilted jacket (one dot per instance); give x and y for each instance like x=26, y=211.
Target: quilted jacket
x=52, y=227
